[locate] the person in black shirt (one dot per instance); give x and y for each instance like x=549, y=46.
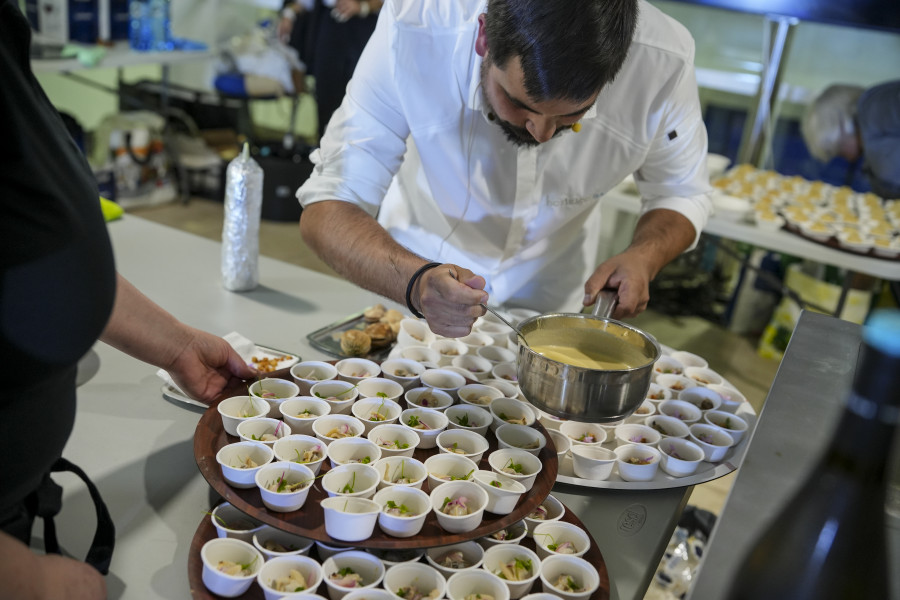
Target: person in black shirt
x=59, y=293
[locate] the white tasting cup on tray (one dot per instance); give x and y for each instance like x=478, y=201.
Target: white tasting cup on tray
x=516, y=464
x=522, y=437
x=354, y=370
x=353, y=480
x=232, y=523
x=583, y=433
x=561, y=442
x=242, y=553
x=714, y=441
x=367, y=566
x=310, y=372
x=427, y=580
x=637, y=462
x=468, y=417
x=275, y=576
x=685, y=412
x=301, y=412
x=455, y=558
x=551, y=509
x=350, y=519
x=237, y=409
x=462, y=442
x=512, y=411
x=400, y=471
x=443, y=379
x=235, y=461
x=497, y=560
x=303, y=449
x=680, y=457
x=447, y=349
x=636, y=433
x=404, y=371
x=733, y=424
x=264, y=430
x=380, y=387
x=394, y=439
x=503, y=493
x=428, y=397
x=274, y=542
x=702, y=397
x=479, y=367
x=560, y=537
x=513, y=534
x=373, y=412
x=593, y=462
x=353, y=450
x=479, y=394
x=467, y=496
x=410, y=508
x=339, y=394
x=444, y=467
x=274, y=475
x=474, y=583
x=426, y=423
x=274, y=391
x=414, y=332
x=335, y=427
x=581, y=573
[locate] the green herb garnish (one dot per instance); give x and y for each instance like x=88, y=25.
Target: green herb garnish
x=463, y=420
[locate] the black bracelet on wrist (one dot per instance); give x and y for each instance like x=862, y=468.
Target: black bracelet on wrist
x=412, y=282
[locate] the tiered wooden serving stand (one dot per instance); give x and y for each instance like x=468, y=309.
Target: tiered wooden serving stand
x=309, y=521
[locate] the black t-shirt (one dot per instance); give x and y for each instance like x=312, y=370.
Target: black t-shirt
x=57, y=278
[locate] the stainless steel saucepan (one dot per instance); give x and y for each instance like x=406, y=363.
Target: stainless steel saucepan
x=594, y=395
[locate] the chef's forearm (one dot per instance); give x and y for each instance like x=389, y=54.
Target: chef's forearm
x=352, y=243
x=660, y=236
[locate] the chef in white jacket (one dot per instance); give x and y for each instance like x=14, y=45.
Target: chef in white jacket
x=477, y=139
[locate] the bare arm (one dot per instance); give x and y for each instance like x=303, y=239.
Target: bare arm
x=25, y=575
x=201, y=364
x=660, y=236
x=357, y=247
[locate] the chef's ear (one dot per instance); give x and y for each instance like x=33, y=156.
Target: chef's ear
x=481, y=41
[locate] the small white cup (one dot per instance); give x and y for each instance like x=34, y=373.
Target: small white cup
x=433, y=421
x=381, y=388
x=636, y=433
x=593, y=462
x=681, y=410
x=462, y=442
x=560, y=537
x=301, y=412
x=512, y=411
x=354, y=480
x=522, y=437
x=506, y=372
x=455, y=558
x=394, y=439
x=496, y=561
x=474, y=583
x=507, y=388
x=447, y=494
x=588, y=434
x=421, y=354
x=290, y=473
x=428, y=397
x=278, y=570
x=731, y=398
x=448, y=349
x=350, y=519
x=551, y=509
x=657, y=393
x=497, y=354
x=444, y=380
x=237, y=409
x=645, y=469
x=645, y=410
x=427, y=580
x=367, y=566
x=478, y=394
x=414, y=332
x=408, y=522
x=235, y=461
x=702, y=397
x=675, y=383
x=734, y=425
x=468, y=417
x=272, y=542
x=703, y=375
x=689, y=359
x=353, y=450
x=215, y=551
x=445, y=467
x=310, y=372
x=714, y=441
x=668, y=427
x=666, y=365
x=581, y=572
x=513, y=534
x=680, y=457
x=373, y=412
x=355, y=370
x=503, y=493
x=339, y=394
x=232, y=523
x=274, y=391
x=400, y=471
x=525, y=465
x=479, y=367
x=334, y=427
x=264, y=430
x=561, y=441
x=404, y=371
x=303, y=449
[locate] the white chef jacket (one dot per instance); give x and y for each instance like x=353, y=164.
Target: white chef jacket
x=412, y=145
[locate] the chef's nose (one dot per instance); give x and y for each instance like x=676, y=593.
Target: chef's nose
x=540, y=128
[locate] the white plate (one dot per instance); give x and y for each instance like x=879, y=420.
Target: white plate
x=706, y=472
x=285, y=360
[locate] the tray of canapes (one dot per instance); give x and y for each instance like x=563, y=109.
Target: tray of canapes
x=262, y=561
x=352, y=480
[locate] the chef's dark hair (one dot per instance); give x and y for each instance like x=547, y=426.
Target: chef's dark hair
x=569, y=49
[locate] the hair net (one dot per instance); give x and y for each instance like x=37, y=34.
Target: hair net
x=827, y=118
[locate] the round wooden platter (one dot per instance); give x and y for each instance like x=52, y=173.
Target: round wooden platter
x=309, y=521
x=206, y=531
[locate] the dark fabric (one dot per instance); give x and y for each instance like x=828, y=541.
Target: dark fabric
x=330, y=49
x=878, y=119
x=57, y=277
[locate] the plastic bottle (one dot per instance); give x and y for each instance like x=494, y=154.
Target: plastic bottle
x=150, y=26
x=240, y=232
x=829, y=541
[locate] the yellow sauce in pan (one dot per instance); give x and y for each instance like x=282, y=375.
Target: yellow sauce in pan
x=578, y=357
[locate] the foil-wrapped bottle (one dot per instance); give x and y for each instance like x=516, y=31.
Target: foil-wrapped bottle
x=240, y=233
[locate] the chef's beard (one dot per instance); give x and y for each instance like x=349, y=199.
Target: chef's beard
x=518, y=136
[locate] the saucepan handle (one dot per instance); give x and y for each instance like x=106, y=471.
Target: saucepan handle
x=605, y=303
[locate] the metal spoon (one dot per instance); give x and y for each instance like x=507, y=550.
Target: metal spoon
x=505, y=322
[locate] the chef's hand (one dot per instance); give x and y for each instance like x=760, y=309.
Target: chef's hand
x=450, y=298
x=206, y=365
x=630, y=275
